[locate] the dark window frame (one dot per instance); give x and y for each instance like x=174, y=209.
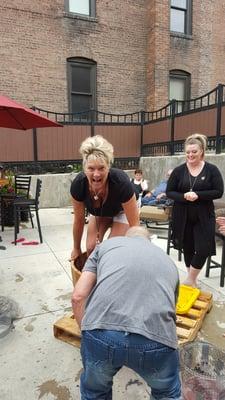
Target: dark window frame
x=92, y=9
x=85, y=63
x=187, y=19
x=186, y=77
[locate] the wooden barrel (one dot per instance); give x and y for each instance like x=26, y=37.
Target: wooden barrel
x=77, y=266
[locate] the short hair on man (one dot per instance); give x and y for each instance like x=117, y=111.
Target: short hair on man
x=138, y=231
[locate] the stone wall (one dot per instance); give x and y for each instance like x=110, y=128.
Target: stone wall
x=56, y=187
x=154, y=168
x=55, y=191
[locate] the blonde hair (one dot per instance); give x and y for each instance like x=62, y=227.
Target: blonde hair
x=96, y=147
x=199, y=139
x=138, y=231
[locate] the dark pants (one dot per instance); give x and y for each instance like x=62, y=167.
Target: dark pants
x=195, y=248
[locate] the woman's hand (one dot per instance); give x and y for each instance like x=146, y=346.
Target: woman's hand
x=74, y=254
x=190, y=196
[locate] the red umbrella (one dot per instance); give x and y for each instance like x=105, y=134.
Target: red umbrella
x=16, y=116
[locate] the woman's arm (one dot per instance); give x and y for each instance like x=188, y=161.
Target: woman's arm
x=78, y=227
x=172, y=188
x=217, y=186
x=131, y=211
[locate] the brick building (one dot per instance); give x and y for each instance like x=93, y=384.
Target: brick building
x=116, y=56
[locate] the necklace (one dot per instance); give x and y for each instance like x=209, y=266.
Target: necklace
x=96, y=196
x=97, y=222
x=199, y=171
x=192, y=184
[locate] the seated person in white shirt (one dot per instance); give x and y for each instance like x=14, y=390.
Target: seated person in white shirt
x=140, y=185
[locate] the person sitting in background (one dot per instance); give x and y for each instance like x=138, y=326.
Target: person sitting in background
x=140, y=185
x=158, y=195
x=125, y=323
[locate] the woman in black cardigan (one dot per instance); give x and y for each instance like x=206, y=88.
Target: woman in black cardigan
x=193, y=186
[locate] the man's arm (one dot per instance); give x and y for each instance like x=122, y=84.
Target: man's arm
x=80, y=294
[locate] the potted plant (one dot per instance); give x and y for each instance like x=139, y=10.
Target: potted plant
x=7, y=191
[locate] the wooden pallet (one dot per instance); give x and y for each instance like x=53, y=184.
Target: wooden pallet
x=67, y=329
x=188, y=325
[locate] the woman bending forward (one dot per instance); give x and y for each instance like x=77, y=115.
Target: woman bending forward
x=105, y=192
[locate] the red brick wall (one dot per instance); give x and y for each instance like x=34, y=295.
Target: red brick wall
x=130, y=42
x=37, y=38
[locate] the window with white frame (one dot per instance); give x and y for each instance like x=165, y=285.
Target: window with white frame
x=180, y=88
x=180, y=16
x=81, y=7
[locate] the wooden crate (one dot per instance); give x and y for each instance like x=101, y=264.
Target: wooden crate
x=188, y=325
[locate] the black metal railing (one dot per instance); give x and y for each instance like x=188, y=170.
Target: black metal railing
x=61, y=166
x=213, y=99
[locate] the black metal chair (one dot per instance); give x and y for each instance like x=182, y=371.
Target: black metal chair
x=211, y=264
x=159, y=218
x=27, y=205
x=22, y=191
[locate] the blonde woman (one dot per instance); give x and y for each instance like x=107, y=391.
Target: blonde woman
x=105, y=192
x=193, y=186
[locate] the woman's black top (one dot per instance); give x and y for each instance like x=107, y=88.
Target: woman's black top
x=120, y=190
x=208, y=185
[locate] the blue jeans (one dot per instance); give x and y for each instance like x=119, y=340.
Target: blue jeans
x=148, y=201
x=105, y=352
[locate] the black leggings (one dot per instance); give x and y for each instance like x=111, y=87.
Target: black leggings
x=194, y=248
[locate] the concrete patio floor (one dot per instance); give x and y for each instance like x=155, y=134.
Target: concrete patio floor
x=33, y=363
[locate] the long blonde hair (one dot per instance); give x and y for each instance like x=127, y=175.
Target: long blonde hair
x=199, y=139
x=96, y=147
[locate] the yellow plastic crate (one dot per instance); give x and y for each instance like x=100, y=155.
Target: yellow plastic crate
x=187, y=297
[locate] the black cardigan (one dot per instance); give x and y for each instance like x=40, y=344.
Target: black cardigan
x=208, y=186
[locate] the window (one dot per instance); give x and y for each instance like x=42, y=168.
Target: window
x=180, y=16
x=82, y=84
x=82, y=7
x=179, y=88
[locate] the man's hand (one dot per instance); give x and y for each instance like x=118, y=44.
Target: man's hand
x=221, y=223
x=160, y=195
x=149, y=194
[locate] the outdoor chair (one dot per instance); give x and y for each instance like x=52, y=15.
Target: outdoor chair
x=27, y=205
x=159, y=218
x=22, y=191
x=212, y=263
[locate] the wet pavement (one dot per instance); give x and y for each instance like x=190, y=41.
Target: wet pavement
x=33, y=363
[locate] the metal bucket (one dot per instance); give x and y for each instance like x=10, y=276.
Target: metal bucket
x=202, y=371
x=77, y=266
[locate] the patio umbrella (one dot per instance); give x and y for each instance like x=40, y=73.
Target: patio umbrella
x=16, y=116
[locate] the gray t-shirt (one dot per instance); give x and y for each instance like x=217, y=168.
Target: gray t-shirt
x=136, y=289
